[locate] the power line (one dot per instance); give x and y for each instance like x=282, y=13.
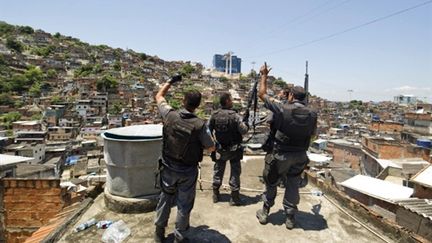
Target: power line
x=344, y=31
x=300, y=19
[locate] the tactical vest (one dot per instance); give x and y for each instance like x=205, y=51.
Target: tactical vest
x=181, y=143
x=295, y=128
x=225, y=124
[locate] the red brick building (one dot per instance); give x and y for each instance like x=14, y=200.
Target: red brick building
x=27, y=204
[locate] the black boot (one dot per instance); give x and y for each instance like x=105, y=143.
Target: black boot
x=159, y=236
x=290, y=221
x=235, y=199
x=216, y=195
x=262, y=214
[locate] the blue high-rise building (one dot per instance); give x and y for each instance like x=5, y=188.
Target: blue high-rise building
x=219, y=63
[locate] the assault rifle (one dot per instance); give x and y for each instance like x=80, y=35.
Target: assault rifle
x=252, y=101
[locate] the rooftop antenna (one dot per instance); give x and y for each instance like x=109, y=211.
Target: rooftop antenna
x=350, y=92
x=306, y=84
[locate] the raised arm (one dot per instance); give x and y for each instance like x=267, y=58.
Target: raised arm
x=264, y=71
x=160, y=96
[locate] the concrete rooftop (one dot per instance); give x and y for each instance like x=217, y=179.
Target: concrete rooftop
x=318, y=219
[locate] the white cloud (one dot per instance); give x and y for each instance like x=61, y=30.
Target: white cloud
x=407, y=88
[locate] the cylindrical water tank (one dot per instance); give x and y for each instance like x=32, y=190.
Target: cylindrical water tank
x=131, y=155
x=425, y=143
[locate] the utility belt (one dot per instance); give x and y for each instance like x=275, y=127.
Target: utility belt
x=230, y=148
x=227, y=152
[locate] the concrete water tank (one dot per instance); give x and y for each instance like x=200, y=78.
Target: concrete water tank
x=131, y=155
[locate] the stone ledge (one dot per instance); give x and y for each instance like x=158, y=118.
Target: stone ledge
x=130, y=205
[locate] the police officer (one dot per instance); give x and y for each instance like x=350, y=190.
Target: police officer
x=228, y=128
x=295, y=124
x=184, y=138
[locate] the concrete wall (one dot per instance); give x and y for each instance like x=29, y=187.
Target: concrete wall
x=422, y=191
x=349, y=155
x=28, y=204
x=386, y=127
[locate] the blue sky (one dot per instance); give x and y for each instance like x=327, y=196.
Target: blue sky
x=378, y=61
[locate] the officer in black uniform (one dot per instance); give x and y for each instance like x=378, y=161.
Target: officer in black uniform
x=295, y=124
x=184, y=138
x=228, y=128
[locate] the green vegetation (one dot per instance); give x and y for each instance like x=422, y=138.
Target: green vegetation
x=14, y=45
x=117, y=66
x=43, y=51
x=174, y=103
x=6, y=28
x=187, y=69
x=36, y=117
x=18, y=103
x=51, y=74
x=223, y=79
x=84, y=70
x=237, y=107
x=21, y=82
x=34, y=74
x=115, y=109
x=6, y=99
x=35, y=89
x=26, y=30
x=143, y=56
x=10, y=117
x=107, y=83
x=280, y=82
x=57, y=35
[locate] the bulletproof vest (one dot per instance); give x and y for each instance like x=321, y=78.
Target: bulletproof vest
x=225, y=125
x=295, y=127
x=181, y=142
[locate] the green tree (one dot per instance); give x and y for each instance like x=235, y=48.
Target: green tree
x=18, y=82
x=84, y=70
x=43, y=51
x=14, y=45
x=6, y=28
x=117, y=66
x=115, y=109
x=35, y=89
x=107, y=83
x=187, y=69
x=18, y=104
x=143, y=56
x=51, y=73
x=10, y=117
x=36, y=117
x=57, y=35
x=56, y=99
x=2, y=60
x=34, y=74
x=6, y=99
x=26, y=30
x=223, y=79
x=97, y=68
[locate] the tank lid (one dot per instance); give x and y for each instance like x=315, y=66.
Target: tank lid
x=137, y=132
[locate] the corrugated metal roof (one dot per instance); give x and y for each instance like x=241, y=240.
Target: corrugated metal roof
x=421, y=207
x=377, y=188
x=424, y=177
